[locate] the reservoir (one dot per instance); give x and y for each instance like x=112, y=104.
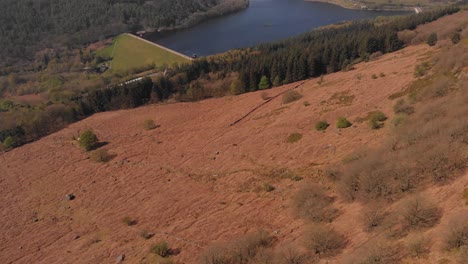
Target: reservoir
x=263, y=21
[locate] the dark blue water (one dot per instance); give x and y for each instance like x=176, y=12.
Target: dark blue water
x=263, y=21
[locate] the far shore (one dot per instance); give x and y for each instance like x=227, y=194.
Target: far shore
x=350, y=4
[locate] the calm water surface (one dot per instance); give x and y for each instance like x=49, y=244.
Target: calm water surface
x=263, y=21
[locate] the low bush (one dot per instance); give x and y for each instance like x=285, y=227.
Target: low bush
x=418, y=213
x=88, y=140
x=376, y=119
x=422, y=69
x=9, y=143
x=306, y=103
x=148, y=124
x=402, y=107
x=100, y=155
x=294, y=137
x=382, y=252
x=324, y=241
x=399, y=119
x=321, y=125
x=264, y=95
x=418, y=246
x=343, y=123
x=374, y=216
x=242, y=251
x=312, y=203
x=457, y=235
x=161, y=249
x=291, y=96
x=465, y=195
x=432, y=39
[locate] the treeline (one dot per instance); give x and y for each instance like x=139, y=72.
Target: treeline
x=27, y=26
x=25, y=123
x=308, y=55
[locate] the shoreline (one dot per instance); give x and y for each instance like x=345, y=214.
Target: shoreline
x=355, y=5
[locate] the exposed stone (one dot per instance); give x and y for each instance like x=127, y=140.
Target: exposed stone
x=70, y=197
x=121, y=258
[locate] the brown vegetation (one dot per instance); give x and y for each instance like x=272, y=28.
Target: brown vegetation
x=312, y=203
x=324, y=241
x=291, y=96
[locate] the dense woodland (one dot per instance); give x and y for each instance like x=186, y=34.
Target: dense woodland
x=312, y=54
x=29, y=26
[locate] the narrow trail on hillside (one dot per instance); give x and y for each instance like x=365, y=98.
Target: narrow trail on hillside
x=264, y=103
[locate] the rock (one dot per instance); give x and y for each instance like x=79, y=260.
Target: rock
x=76, y=237
x=121, y=258
x=35, y=220
x=70, y=197
x=149, y=235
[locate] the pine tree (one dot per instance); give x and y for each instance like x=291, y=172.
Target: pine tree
x=264, y=83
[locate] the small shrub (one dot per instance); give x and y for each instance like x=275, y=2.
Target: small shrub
x=291, y=96
x=161, y=249
x=324, y=241
x=129, y=221
x=432, y=39
x=148, y=124
x=463, y=255
x=321, y=80
x=321, y=125
x=376, y=120
x=9, y=142
x=399, y=119
x=374, y=216
x=306, y=103
x=100, y=155
x=294, y=137
x=382, y=253
x=422, y=69
x=264, y=95
x=268, y=187
x=419, y=213
x=457, y=235
x=374, y=76
x=382, y=74
x=312, y=203
x=402, y=107
x=418, y=246
x=465, y=195
x=88, y=140
x=455, y=37
x=343, y=123
x=247, y=249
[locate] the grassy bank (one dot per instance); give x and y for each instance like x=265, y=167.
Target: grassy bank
x=129, y=53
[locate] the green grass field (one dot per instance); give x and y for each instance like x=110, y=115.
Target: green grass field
x=130, y=53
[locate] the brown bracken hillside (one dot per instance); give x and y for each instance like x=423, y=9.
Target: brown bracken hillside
x=196, y=180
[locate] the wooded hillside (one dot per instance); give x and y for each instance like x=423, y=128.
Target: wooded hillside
x=27, y=26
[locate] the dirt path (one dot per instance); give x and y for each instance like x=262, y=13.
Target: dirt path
x=264, y=103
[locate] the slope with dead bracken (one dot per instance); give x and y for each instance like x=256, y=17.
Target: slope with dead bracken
x=195, y=179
